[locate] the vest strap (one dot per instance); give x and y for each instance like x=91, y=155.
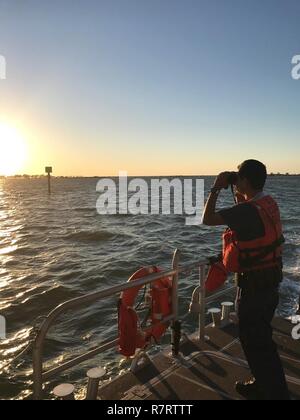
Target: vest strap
x=248, y=261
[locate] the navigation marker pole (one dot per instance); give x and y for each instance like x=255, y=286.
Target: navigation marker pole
x=48, y=171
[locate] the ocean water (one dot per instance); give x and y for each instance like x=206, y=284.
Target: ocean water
x=55, y=248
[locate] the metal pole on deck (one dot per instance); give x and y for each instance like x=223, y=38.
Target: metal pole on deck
x=202, y=303
x=37, y=372
x=175, y=263
x=64, y=392
x=94, y=377
x=48, y=171
x=176, y=325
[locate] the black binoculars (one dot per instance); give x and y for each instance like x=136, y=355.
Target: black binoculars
x=232, y=178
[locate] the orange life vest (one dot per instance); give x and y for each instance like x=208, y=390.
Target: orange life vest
x=131, y=337
x=242, y=256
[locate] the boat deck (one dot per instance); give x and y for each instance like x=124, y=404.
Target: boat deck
x=205, y=371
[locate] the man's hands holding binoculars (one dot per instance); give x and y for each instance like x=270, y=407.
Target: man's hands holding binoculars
x=223, y=180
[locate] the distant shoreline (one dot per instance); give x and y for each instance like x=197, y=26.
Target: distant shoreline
x=129, y=176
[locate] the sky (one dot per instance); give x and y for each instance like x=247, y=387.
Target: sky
x=152, y=87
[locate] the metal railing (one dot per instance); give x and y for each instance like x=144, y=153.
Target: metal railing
x=40, y=376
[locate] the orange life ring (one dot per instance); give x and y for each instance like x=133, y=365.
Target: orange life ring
x=131, y=336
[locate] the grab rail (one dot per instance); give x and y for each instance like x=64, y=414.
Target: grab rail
x=39, y=377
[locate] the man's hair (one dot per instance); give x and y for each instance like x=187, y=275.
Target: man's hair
x=255, y=172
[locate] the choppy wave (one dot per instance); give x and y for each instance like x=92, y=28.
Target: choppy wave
x=90, y=236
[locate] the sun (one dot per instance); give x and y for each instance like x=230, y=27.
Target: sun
x=12, y=150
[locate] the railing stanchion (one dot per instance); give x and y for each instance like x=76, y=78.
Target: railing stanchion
x=175, y=337
x=202, y=303
x=176, y=330
x=37, y=373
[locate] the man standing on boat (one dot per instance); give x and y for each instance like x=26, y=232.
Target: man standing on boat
x=252, y=249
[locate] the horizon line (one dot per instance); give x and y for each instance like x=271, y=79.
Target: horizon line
x=129, y=176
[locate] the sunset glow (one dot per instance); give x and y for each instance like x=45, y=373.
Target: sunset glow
x=12, y=150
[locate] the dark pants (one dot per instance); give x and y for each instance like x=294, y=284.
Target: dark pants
x=257, y=305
